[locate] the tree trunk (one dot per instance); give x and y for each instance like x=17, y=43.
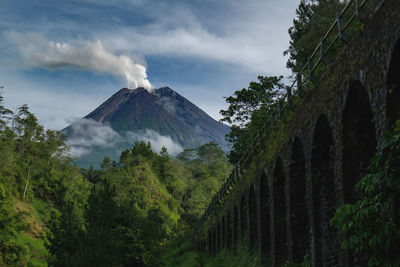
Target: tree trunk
x=27, y=182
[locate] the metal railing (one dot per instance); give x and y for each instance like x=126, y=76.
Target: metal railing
x=320, y=51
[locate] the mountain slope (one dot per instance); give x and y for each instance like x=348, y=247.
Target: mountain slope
x=163, y=117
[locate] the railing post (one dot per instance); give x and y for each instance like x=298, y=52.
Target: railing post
x=322, y=52
x=300, y=85
x=238, y=172
x=359, y=14
x=280, y=108
x=310, y=66
x=340, y=26
x=289, y=97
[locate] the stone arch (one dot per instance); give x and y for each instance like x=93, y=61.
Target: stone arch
x=393, y=85
x=235, y=226
x=324, y=196
x=228, y=230
x=210, y=247
x=298, y=204
x=279, y=213
x=243, y=217
x=202, y=246
x=265, y=215
x=213, y=242
x=218, y=237
x=392, y=102
x=215, y=236
x=359, y=138
x=223, y=232
x=252, y=218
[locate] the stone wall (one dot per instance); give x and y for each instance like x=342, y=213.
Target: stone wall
x=316, y=154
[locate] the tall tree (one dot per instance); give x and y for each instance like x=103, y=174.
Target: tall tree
x=313, y=19
x=248, y=109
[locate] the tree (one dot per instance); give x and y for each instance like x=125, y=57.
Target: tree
x=29, y=135
x=313, y=19
x=248, y=109
x=5, y=114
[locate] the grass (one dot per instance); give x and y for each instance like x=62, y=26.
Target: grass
x=36, y=249
x=33, y=238
x=183, y=254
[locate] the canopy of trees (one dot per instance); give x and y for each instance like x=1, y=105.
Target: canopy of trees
x=125, y=214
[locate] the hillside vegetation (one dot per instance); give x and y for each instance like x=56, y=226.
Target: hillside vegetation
x=140, y=209
x=129, y=213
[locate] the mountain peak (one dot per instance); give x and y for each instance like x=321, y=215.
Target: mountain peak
x=163, y=112
x=139, y=90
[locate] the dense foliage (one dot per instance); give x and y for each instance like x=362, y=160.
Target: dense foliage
x=313, y=19
x=248, y=110
x=372, y=223
x=37, y=183
x=139, y=211
x=125, y=214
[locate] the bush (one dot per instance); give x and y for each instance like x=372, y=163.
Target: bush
x=372, y=223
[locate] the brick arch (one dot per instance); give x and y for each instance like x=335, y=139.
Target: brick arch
x=298, y=205
x=265, y=215
x=393, y=87
x=252, y=218
x=243, y=217
x=359, y=138
x=323, y=194
x=280, y=240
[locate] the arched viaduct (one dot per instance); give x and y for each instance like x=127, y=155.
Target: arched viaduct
x=283, y=203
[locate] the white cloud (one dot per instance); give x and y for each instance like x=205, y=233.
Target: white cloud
x=77, y=152
x=55, y=105
x=157, y=141
x=167, y=103
x=36, y=51
x=247, y=36
x=86, y=135
x=253, y=36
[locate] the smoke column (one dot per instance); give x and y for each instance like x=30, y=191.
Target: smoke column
x=90, y=56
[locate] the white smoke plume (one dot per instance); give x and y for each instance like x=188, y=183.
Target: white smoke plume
x=92, y=56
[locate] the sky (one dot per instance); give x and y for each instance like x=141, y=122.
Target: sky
x=64, y=58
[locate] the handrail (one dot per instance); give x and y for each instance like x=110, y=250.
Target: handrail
x=223, y=191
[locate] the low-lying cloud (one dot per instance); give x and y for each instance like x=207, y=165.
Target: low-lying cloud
x=157, y=141
x=167, y=103
x=86, y=135
x=36, y=51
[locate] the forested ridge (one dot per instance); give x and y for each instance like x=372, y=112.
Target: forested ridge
x=140, y=210
x=128, y=213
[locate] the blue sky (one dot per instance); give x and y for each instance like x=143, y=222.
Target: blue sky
x=64, y=58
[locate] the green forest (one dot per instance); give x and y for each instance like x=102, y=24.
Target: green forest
x=140, y=210
x=128, y=213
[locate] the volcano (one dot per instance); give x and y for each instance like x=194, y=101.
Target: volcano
x=162, y=116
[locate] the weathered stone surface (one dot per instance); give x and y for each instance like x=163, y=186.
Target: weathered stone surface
x=327, y=119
